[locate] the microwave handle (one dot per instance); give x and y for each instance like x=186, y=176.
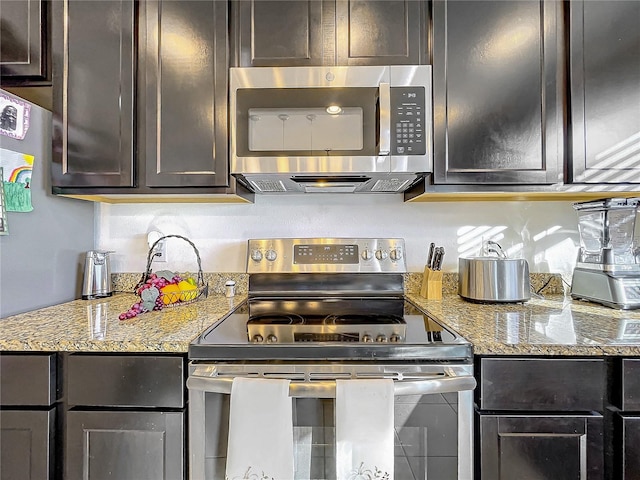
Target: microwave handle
x=327, y=389
x=385, y=119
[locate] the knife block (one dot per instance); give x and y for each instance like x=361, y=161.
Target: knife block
x=431, y=288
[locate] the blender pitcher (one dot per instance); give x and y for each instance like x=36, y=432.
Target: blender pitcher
x=609, y=231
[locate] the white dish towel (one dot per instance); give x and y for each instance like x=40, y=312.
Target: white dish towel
x=364, y=429
x=260, y=430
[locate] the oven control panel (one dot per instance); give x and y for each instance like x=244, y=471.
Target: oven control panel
x=326, y=255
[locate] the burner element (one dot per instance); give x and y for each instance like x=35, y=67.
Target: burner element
x=277, y=319
x=350, y=327
x=362, y=320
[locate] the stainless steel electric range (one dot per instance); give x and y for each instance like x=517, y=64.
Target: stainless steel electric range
x=321, y=309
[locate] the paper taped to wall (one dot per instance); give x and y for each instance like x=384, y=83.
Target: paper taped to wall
x=16, y=178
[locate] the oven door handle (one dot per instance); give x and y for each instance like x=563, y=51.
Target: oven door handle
x=327, y=388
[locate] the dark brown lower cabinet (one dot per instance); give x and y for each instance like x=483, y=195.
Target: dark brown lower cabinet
x=26, y=444
x=125, y=445
x=28, y=398
x=126, y=417
x=537, y=447
x=629, y=460
x=626, y=415
x=540, y=418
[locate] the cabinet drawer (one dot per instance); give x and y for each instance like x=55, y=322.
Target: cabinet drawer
x=631, y=384
x=27, y=379
x=542, y=384
x=125, y=381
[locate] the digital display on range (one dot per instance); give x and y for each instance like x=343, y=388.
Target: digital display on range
x=319, y=254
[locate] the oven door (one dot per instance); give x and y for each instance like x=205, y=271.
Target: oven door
x=432, y=420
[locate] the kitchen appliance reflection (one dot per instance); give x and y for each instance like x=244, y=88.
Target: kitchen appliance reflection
x=565, y=327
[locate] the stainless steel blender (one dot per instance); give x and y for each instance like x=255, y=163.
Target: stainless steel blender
x=608, y=266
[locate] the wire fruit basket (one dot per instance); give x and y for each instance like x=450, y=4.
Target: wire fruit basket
x=166, y=288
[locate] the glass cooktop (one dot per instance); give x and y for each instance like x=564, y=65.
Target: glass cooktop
x=329, y=328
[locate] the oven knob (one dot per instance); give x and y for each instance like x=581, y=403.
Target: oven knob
x=272, y=338
x=381, y=338
x=381, y=254
x=271, y=255
x=367, y=254
x=395, y=338
x=395, y=254
x=257, y=338
x=256, y=255
x=367, y=338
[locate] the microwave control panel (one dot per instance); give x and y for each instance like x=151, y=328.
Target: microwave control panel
x=408, y=121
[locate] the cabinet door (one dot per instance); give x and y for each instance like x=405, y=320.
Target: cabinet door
x=93, y=97
x=605, y=91
x=186, y=58
x=630, y=448
x=284, y=33
x=541, y=447
x=391, y=32
x=497, y=92
x=24, y=42
x=27, y=440
x=126, y=445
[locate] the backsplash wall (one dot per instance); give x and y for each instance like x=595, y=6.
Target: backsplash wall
x=545, y=233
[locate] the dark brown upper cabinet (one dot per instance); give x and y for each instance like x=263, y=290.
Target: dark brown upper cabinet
x=605, y=91
x=185, y=64
x=330, y=32
x=498, y=92
x=24, y=43
x=94, y=93
x=140, y=101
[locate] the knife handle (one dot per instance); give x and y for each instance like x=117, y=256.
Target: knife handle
x=440, y=256
x=430, y=258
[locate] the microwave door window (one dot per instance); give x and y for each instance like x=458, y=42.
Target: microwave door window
x=306, y=130
x=307, y=122
x=341, y=131
x=265, y=132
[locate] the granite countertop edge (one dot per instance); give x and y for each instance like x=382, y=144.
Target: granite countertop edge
x=493, y=329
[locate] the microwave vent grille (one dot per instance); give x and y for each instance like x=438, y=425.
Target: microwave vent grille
x=389, y=185
x=268, y=185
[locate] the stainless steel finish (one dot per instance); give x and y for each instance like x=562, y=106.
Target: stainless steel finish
x=608, y=266
x=378, y=173
x=283, y=256
x=308, y=280
x=285, y=334
x=317, y=382
x=410, y=379
x=385, y=119
x=97, y=275
x=493, y=279
x=606, y=287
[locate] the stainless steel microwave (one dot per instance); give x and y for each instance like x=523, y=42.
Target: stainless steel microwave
x=355, y=129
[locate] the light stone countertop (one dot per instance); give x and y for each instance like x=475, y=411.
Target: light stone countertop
x=556, y=325
x=93, y=326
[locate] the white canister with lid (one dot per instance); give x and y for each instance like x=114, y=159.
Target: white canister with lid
x=230, y=288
